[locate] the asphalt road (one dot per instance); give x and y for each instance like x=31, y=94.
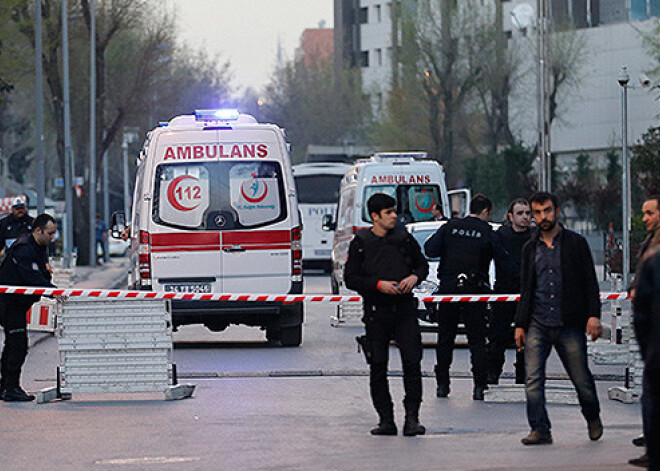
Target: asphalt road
x=261, y=407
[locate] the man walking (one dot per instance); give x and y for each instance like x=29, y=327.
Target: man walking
x=651, y=219
x=25, y=265
x=512, y=237
x=559, y=299
x=384, y=265
x=647, y=330
x=466, y=247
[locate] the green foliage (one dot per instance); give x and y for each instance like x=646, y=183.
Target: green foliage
x=503, y=176
x=645, y=163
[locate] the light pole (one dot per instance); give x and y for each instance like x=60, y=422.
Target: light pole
x=39, y=92
x=543, y=110
x=623, y=80
x=92, y=134
x=68, y=151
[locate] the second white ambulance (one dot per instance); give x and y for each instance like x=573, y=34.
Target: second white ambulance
x=215, y=210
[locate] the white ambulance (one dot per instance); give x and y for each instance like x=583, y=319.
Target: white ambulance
x=317, y=185
x=417, y=183
x=215, y=210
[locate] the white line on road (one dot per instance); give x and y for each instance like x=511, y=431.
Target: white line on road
x=150, y=460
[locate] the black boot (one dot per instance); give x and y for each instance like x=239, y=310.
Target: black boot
x=478, y=392
x=411, y=426
x=442, y=381
x=386, y=425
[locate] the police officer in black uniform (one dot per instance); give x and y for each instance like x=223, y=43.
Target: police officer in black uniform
x=26, y=264
x=512, y=237
x=15, y=225
x=466, y=247
x=384, y=265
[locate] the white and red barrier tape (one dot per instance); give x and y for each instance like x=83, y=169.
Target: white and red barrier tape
x=283, y=298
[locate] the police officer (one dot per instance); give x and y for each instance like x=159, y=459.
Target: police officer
x=384, y=265
x=15, y=225
x=512, y=237
x=25, y=265
x=466, y=247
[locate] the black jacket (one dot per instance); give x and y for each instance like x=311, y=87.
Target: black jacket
x=580, y=292
x=646, y=319
x=513, y=243
x=12, y=228
x=392, y=257
x=24, y=265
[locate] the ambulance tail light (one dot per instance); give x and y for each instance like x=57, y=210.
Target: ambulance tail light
x=144, y=259
x=296, y=253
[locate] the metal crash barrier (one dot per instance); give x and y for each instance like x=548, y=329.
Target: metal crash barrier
x=115, y=346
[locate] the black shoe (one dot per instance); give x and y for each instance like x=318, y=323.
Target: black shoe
x=537, y=438
x=642, y=461
x=442, y=390
x=478, y=392
x=595, y=429
x=412, y=427
x=384, y=428
x=17, y=395
x=639, y=441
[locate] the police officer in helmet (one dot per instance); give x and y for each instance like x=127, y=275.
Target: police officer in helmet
x=384, y=265
x=466, y=247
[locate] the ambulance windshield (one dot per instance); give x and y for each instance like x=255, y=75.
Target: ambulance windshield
x=413, y=202
x=219, y=195
x=318, y=189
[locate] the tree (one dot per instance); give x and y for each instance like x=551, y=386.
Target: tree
x=580, y=187
x=645, y=161
x=607, y=198
x=316, y=104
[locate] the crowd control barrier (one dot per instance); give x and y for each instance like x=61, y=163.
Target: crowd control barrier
x=110, y=345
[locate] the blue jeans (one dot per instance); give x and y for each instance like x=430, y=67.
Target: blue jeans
x=571, y=345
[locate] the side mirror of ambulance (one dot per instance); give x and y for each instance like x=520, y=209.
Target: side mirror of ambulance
x=327, y=223
x=118, y=224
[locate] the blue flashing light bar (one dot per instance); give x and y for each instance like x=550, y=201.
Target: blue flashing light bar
x=217, y=115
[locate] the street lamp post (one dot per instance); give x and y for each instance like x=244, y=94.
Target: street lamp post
x=623, y=80
x=92, y=135
x=68, y=151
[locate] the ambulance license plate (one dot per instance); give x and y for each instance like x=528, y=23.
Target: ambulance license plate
x=323, y=253
x=189, y=288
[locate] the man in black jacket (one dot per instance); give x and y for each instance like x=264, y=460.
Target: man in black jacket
x=384, y=265
x=18, y=223
x=559, y=298
x=466, y=247
x=26, y=264
x=512, y=236
x=646, y=306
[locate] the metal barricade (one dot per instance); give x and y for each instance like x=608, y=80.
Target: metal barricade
x=115, y=345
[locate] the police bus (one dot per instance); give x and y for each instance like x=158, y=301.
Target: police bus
x=317, y=186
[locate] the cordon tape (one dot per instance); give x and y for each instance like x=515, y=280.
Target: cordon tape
x=283, y=298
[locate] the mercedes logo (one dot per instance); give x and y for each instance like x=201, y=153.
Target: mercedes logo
x=220, y=220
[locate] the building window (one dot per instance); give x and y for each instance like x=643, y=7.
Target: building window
x=379, y=57
x=364, y=59
x=638, y=10
x=363, y=15
x=378, y=13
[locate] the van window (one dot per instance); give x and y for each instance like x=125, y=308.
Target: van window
x=219, y=195
x=318, y=189
x=413, y=202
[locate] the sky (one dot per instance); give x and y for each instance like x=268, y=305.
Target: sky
x=246, y=31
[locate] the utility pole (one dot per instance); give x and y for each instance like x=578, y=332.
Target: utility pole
x=92, y=133
x=39, y=91
x=543, y=105
x=68, y=151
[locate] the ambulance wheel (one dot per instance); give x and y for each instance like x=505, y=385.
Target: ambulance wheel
x=291, y=336
x=334, y=286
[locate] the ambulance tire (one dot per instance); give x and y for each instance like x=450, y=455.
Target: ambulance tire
x=291, y=336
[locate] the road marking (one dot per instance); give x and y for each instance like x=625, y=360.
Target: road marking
x=149, y=460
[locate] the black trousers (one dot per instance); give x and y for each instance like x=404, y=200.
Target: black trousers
x=651, y=420
x=13, y=320
x=474, y=317
x=500, y=337
x=382, y=324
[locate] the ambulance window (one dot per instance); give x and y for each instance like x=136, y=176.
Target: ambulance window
x=414, y=202
x=182, y=194
x=219, y=195
x=257, y=194
x=318, y=189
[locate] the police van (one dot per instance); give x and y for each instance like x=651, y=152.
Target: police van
x=215, y=210
x=415, y=182
x=317, y=185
